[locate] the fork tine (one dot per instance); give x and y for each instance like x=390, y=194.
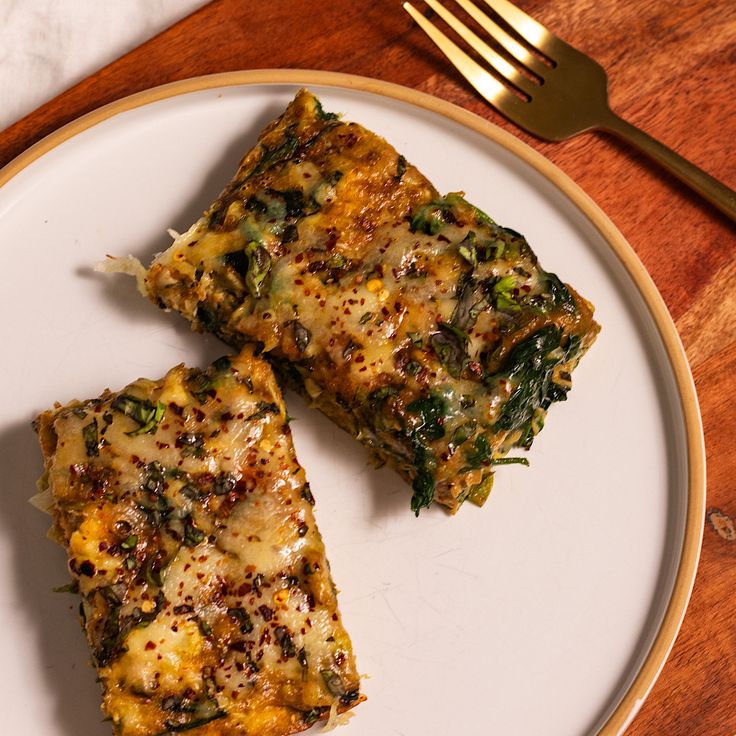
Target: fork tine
x=530, y=30
x=490, y=88
x=510, y=72
x=504, y=39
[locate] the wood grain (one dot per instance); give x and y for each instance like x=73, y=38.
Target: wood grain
x=671, y=69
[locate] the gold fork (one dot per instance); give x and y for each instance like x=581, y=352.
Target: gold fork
x=554, y=100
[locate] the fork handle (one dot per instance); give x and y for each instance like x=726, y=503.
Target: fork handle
x=711, y=189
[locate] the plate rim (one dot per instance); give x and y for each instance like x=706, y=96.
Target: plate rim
x=630, y=702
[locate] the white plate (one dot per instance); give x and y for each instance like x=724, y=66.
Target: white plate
x=550, y=611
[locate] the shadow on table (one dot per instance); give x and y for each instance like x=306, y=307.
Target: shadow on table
x=38, y=566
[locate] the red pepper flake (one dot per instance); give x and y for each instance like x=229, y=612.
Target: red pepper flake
x=307, y=292
x=298, y=258
x=360, y=358
x=150, y=646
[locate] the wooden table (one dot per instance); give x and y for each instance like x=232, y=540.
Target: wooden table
x=672, y=68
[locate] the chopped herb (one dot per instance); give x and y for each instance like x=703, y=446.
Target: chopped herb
x=243, y=618
x=302, y=336
x=333, y=682
x=478, y=455
x=130, y=542
x=559, y=293
x=463, y=433
x=509, y=461
x=432, y=217
x=466, y=401
x=264, y=408
x=222, y=364
x=413, y=367
x=91, y=440
x=400, y=168
x=415, y=338
x=142, y=411
x=467, y=249
x=191, y=444
x=224, y=484
x=350, y=697
x=192, y=535
x=366, y=317
x=283, y=637
x=336, y=260
x=423, y=483
x=68, y=588
x=259, y=264
x=307, y=494
x=431, y=412
x=174, y=728
x=350, y=348
x=277, y=154
x=479, y=493
x=207, y=317
x=311, y=717
x=193, y=493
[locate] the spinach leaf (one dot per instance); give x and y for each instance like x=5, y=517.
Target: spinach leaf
x=431, y=411
x=478, y=455
x=503, y=289
x=423, y=483
x=529, y=366
x=472, y=300
x=559, y=293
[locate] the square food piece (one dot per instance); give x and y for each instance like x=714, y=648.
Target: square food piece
x=206, y=595
x=413, y=320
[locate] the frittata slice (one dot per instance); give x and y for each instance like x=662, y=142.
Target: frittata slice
x=413, y=320
x=206, y=595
